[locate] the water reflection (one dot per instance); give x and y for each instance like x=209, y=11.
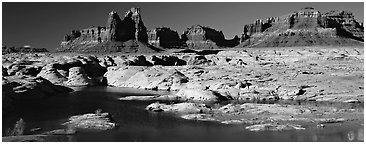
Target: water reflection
x=315, y=138
x=351, y=136
x=137, y=124
x=360, y=134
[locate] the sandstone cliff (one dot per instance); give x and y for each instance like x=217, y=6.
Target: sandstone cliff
x=201, y=37
x=305, y=27
x=119, y=35
x=164, y=37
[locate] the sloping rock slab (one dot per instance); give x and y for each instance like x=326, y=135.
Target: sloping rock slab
x=30, y=88
x=35, y=138
x=152, y=98
x=146, y=78
x=200, y=95
x=200, y=117
x=180, y=107
x=91, y=122
x=274, y=127
x=60, y=132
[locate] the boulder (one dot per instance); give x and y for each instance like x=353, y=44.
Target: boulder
x=91, y=121
x=199, y=117
x=352, y=101
x=78, y=77
x=107, y=61
x=166, y=60
x=51, y=74
x=198, y=60
x=200, y=95
x=23, y=69
x=179, y=107
x=137, y=61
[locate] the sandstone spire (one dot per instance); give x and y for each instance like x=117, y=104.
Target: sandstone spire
x=140, y=33
x=113, y=27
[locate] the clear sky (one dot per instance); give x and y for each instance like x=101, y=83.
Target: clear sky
x=45, y=24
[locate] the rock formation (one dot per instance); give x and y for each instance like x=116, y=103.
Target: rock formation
x=78, y=77
x=21, y=88
x=345, y=23
x=201, y=37
x=91, y=121
x=153, y=78
x=127, y=35
x=305, y=27
x=50, y=73
x=7, y=50
x=164, y=37
x=180, y=107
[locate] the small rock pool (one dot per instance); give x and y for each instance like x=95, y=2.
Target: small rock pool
x=135, y=124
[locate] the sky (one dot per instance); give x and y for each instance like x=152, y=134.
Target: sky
x=45, y=24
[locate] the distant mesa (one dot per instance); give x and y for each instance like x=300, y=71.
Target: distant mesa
x=306, y=27
x=24, y=49
x=195, y=37
x=201, y=37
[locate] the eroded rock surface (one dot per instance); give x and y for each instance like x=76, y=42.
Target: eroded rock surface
x=91, y=121
x=273, y=127
x=28, y=87
x=179, y=107
x=78, y=77
x=267, y=74
x=158, y=78
x=264, y=117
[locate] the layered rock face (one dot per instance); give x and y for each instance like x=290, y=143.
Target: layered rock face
x=345, y=23
x=116, y=35
x=164, y=37
x=305, y=27
x=201, y=37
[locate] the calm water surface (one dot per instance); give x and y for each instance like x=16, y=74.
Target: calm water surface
x=137, y=124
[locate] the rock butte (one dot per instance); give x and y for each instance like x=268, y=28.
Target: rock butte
x=306, y=27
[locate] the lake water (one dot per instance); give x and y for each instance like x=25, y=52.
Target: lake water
x=137, y=124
